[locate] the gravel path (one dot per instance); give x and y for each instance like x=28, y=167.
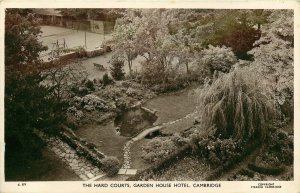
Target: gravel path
x=126, y=149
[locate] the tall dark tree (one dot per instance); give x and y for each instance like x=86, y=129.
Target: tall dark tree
x=29, y=105
x=237, y=29
x=21, y=37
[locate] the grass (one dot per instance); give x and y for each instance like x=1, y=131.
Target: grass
x=47, y=168
x=104, y=137
x=173, y=106
x=179, y=126
x=136, y=153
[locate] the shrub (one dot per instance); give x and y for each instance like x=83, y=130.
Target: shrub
x=106, y=80
x=90, y=85
x=281, y=146
x=219, y=152
x=122, y=104
x=80, y=91
x=152, y=73
x=157, y=149
x=116, y=70
x=178, y=139
x=110, y=165
x=217, y=58
x=238, y=104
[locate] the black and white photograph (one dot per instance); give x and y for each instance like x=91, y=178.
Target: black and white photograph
x=148, y=94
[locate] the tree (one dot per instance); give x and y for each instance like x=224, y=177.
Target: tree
x=182, y=47
x=122, y=42
x=116, y=70
x=259, y=17
x=62, y=76
x=155, y=43
x=238, y=105
x=234, y=29
x=21, y=38
x=274, y=56
x=29, y=106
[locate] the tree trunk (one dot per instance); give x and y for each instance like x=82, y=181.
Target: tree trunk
x=130, y=69
x=129, y=66
x=187, y=67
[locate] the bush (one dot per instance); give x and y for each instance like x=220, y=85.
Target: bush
x=280, y=146
x=90, y=85
x=217, y=58
x=157, y=149
x=238, y=104
x=106, y=80
x=116, y=70
x=80, y=91
x=220, y=152
x=153, y=72
x=110, y=165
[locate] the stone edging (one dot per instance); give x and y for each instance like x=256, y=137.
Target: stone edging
x=83, y=167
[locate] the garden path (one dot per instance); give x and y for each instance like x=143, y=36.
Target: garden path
x=126, y=149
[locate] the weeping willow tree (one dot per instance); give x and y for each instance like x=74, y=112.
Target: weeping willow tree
x=238, y=104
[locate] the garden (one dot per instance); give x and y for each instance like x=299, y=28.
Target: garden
x=178, y=94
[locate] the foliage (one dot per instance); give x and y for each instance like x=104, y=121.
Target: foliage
x=217, y=59
x=241, y=40
x=106, y=80
x=278, y=150
x=235, y=29
x=21, y=38
x=110, y=165
x=146, y=32
x=274, y=57
x=239, y=104
x=29, y=106
x=122, y=42
x=116, y=70
x=63, y=75
x=158, y=148
x=154, y=73
x=90, y=85
x=219, y=152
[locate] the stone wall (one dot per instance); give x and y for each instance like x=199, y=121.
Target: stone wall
x=95, y=52
x=70, y=55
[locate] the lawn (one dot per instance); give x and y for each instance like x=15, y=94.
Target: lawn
x=136, y=152
x=179, y=126
x=174, y=105
x=104, y=137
